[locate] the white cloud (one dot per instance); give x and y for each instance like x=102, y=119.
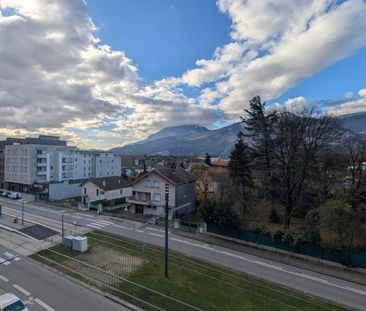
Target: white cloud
x=350, y=105
x=286, y=41
x=56, y=77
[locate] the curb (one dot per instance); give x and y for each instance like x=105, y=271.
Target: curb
x=87, y=286
x=355, y=275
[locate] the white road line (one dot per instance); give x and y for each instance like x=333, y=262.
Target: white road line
x=154, y=229
x=9, y=255
x=92, y=226
x=355, y=290
x=3, y=278
x=2, y=260
x=21, y=289
x=155, y=234
x=98, y=225
x=6, y=263
x=85, y=215
x=105, y=222
x=16, y=258
x=43, y=304
x=141, y=231
x=119, y=226
x=77, y=217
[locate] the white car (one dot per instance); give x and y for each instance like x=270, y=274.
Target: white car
x=15, y=196
x=10, y=302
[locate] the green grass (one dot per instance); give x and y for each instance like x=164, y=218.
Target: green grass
x=196, y=282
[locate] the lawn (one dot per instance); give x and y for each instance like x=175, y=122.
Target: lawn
x=133, y=267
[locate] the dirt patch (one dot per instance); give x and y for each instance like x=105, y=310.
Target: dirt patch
x=109, y=260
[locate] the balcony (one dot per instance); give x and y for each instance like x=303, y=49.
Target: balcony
x=137, y=200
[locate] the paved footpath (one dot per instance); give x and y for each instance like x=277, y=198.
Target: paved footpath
x=44, y=290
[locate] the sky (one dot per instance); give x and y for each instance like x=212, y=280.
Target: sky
x=107, y=73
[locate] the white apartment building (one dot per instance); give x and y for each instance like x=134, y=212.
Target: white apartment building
x=28, y=164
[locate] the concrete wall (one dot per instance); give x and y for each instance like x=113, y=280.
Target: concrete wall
x=90, y=190
x=64, y=190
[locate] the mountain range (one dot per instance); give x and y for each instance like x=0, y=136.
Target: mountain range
x=194, y=139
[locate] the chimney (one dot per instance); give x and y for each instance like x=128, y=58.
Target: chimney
x=119, y=181
x=104, y=183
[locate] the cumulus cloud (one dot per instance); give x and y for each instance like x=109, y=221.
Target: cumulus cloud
x=348, y=105
x=278, y=44
x=57, y=78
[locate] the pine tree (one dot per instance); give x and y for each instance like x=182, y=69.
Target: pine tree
x=259, y=124
x=240, y=168
x=207, y=159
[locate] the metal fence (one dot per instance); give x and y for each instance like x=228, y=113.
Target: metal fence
x=346, y=257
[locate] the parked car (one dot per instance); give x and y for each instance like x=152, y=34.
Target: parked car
x=15, y=196
x=10, y=302
x=3, y=194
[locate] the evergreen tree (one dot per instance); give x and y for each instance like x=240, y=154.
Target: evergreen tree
x=241, y=172
x=207, y=159
x=259, y=124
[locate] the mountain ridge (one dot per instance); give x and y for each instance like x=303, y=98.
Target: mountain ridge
x=192, y=140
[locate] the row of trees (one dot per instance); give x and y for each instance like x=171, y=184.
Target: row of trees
x=303, y=161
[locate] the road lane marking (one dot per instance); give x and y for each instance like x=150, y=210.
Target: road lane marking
x=154, y=229
x=43, y=304
x=92, y=226
x=119, y=226
x=9, y=255
x=16, y=258
x=6, y=263
x=98, y=225
x=355, y=290
x=21, y=289
x=3, y=278
x=105, y=222
x=77, y=217
x=2, y=260
x=156, y=234
x=85, y=215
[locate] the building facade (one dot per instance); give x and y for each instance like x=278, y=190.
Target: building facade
x=26, y=166
x=148, y=191
x=105, y=190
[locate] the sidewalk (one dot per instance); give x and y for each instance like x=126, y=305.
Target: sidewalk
x=356, y=275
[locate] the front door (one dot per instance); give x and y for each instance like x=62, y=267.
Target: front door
x=139, y=209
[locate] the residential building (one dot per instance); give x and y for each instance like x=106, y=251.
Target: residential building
x=29, y=167
x=2, y=169
x=148, y=191
x=105, y=190
x=106, y=164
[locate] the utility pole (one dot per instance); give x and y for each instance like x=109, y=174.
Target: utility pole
x=62, y=224
x=166, y=229
x=22, y=213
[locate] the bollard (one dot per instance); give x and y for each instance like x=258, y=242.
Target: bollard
x=1, y=209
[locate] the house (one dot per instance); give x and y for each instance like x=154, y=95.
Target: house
x=105, y=190
x=148, y=191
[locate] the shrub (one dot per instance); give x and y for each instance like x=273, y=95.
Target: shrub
x=277, y=234
x=257, y=227
x=224, y=216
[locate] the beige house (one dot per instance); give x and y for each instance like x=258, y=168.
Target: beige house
x=105, y=190
x=148, y=191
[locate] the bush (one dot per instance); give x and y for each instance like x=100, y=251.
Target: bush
x=205, y=211
x=257, y=227
x=224, y=216
x=288, y=236
x=277, y=234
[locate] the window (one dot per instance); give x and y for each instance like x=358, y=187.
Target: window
x=97, y=191
x=156, y=184
x=156, y=197
x=85, y=190
x=16, y=306
x=148, y=183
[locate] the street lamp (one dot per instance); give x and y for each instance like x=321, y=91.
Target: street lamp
x=62, y=224
x=166, y=228
x=22, y=213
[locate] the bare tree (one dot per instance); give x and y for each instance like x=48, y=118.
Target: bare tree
x=355, y=155
x=299, y=136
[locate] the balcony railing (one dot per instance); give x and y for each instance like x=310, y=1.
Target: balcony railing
x=136, y=200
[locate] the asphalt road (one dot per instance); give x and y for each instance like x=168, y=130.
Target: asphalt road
x=339, y=291
x=42, y=289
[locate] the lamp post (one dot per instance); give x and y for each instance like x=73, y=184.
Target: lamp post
x=22, y=213
x=62, y=224
x=166, y=228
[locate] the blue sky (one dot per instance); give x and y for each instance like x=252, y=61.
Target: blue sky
x=107, y=73
x=166, y=37
x=163, y=37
